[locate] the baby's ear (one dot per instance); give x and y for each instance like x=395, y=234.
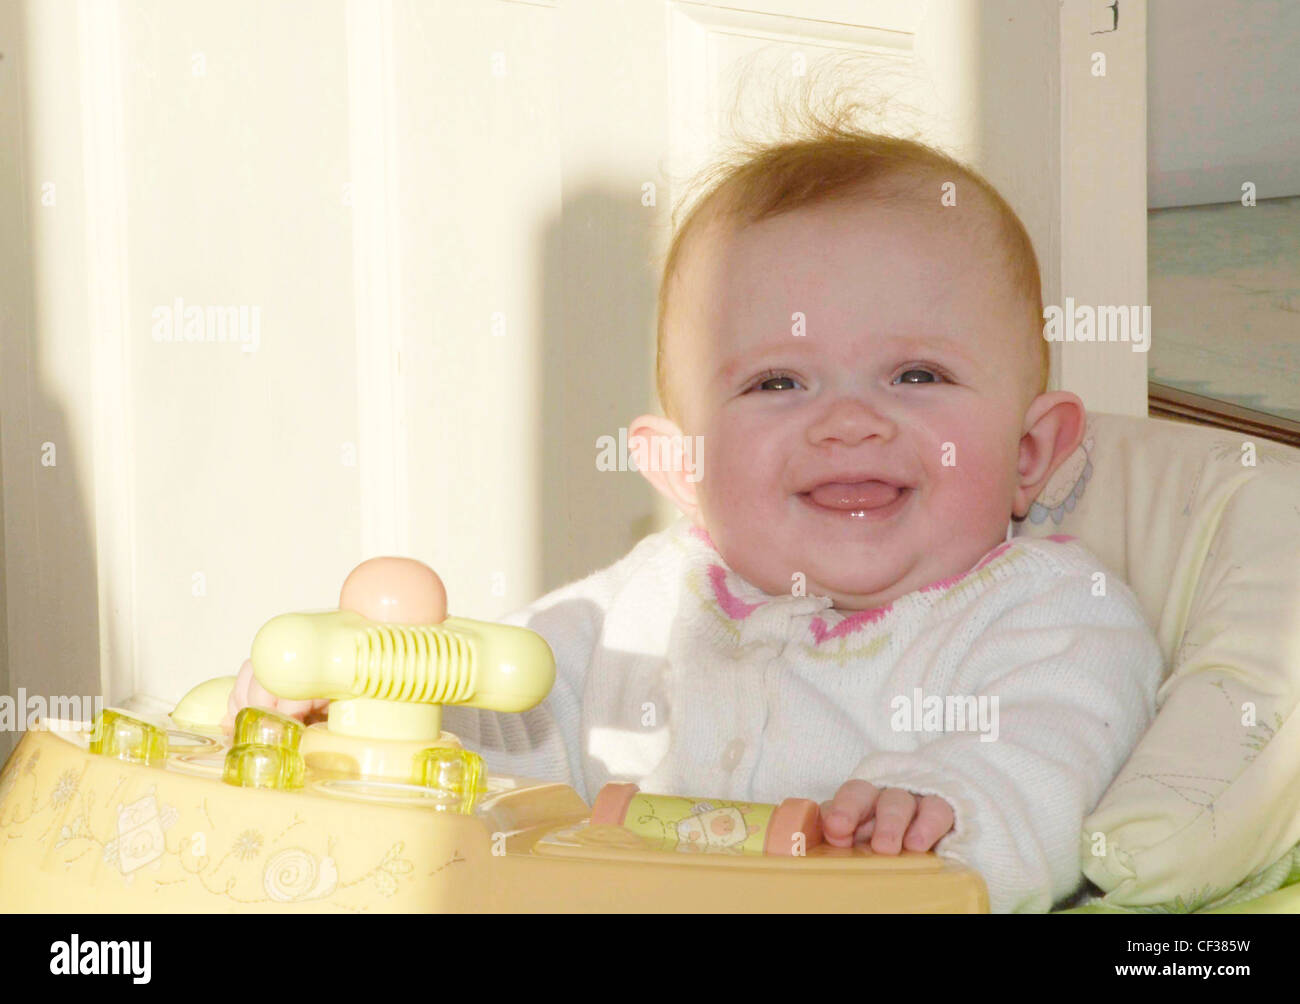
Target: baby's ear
x=670, y=460
x=1054, y=428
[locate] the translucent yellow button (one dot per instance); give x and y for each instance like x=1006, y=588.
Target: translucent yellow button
x=257, y=765
x=457, y=772
x=266, y=728
x=265, y=751
x=123, y=737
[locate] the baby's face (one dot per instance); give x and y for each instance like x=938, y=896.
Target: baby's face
x=878, y=451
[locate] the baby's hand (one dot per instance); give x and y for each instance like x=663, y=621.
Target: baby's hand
x=248, y=691
x=860, y=811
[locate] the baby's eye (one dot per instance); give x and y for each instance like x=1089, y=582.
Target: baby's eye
x=775, y=378
x=921, y=372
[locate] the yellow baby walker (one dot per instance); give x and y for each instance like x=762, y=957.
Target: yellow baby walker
x=378, y=809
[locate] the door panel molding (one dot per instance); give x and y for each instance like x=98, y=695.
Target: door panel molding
x=108, y=327
x=376, y=254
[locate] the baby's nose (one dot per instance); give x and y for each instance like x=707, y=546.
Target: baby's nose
x=850, y=420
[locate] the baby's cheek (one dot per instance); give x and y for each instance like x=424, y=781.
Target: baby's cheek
x=972, y=480
x=724, y=484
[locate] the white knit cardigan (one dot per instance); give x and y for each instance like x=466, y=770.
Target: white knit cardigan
x=678, y=675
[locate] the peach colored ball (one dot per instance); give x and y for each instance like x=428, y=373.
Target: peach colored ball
x=395, y=591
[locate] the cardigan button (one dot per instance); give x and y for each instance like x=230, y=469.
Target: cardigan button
x=732, y=754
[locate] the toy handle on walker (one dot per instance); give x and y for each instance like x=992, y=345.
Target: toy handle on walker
x=340, y=654
x=389, y=658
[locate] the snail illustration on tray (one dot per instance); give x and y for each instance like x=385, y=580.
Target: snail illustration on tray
x=377, y=809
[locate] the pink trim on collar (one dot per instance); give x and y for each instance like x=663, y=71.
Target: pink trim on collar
x=952, y=580
x=996, y=552
x=862, y=618
x=702, y=534
x=734, y=607
x=849, y=625
x=738, y=609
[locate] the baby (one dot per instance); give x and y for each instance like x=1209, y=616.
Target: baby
x=850, y=325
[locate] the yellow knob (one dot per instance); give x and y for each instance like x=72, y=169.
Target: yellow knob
x=457, y=772
x=257, y=765
x=265, y=751
x=267, y=728
x=124, y=737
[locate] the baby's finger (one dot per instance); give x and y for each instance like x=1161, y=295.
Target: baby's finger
x=850, y=806
x=894, y=811
x=238, y=696
x=239, y=693
x=295, y=709
x=260, y=697
x=934, y=818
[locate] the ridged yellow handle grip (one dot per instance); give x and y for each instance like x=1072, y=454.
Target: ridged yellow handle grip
x=340, y=655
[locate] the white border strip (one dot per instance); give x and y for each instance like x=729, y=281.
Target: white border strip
x=381, y=411
x=103, y=162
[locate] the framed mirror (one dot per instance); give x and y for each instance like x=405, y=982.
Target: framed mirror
x=1223, y=224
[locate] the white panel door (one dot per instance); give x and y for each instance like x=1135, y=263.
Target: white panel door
x=332, y=278
x=529, y=137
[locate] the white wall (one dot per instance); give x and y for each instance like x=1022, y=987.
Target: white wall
x=1223, y=83
x=438, y=207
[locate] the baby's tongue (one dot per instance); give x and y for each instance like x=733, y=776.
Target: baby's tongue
x=858, y=495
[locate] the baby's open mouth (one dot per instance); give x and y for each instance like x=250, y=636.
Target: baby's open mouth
x=862, y=499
